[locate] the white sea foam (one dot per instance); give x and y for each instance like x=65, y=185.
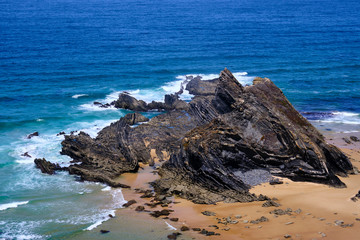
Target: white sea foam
x=93, y=107
x=118, y=198
x=12, y=205
x=79, y=95
x=170, y=226
x=343, y=117
x=100, y=221
x=39, y=120
x=108, y=188
x=157, y=94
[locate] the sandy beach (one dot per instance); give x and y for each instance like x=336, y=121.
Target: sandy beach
x=312, y=211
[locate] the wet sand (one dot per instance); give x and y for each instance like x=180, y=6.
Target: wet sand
x=320, y=207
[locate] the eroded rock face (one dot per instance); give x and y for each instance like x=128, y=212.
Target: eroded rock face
x=226, y=139
x=252, y=128
x=47, y=167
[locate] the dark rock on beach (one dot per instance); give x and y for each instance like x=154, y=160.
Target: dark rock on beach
x=226, y=139
x=140, y=208
x=275, y=181
x=129, y=203
x=164, y=212
x=354, y=139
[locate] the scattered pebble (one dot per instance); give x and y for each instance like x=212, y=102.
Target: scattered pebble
x=174, y=219
x=287, y=236
x=271, y=203
x=289, y=223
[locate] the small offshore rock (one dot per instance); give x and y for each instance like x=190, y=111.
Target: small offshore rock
x=60, y=133
x=46, y=166
x=34, y=134
x=26, y=154
x=129, y=203
x=104, y=231
x=111, y=216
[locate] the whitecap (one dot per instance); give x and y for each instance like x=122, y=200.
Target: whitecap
x=12, y=205
x=79, y=95
x=343, y=117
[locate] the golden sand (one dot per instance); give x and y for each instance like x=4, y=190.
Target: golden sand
x=320, y=206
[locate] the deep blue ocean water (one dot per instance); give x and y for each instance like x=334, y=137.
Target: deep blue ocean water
x=58, y=56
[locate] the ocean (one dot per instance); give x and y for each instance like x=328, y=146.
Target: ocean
x=59, y=56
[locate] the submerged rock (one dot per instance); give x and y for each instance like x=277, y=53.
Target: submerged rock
x=217, y=146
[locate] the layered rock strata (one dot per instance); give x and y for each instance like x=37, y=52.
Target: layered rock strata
x=227, y=138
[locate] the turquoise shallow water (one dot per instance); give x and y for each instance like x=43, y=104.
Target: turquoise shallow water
x=57, y=57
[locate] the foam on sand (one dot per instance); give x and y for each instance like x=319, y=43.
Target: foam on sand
x=170, y=226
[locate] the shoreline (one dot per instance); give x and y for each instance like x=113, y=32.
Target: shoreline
x=321, y=206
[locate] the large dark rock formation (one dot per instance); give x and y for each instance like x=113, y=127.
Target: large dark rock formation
x=226, y=139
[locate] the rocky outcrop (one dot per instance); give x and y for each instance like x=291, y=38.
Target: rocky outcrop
x=248, y=130
x=217, y=146
x=171, y=102
x=48, y=167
